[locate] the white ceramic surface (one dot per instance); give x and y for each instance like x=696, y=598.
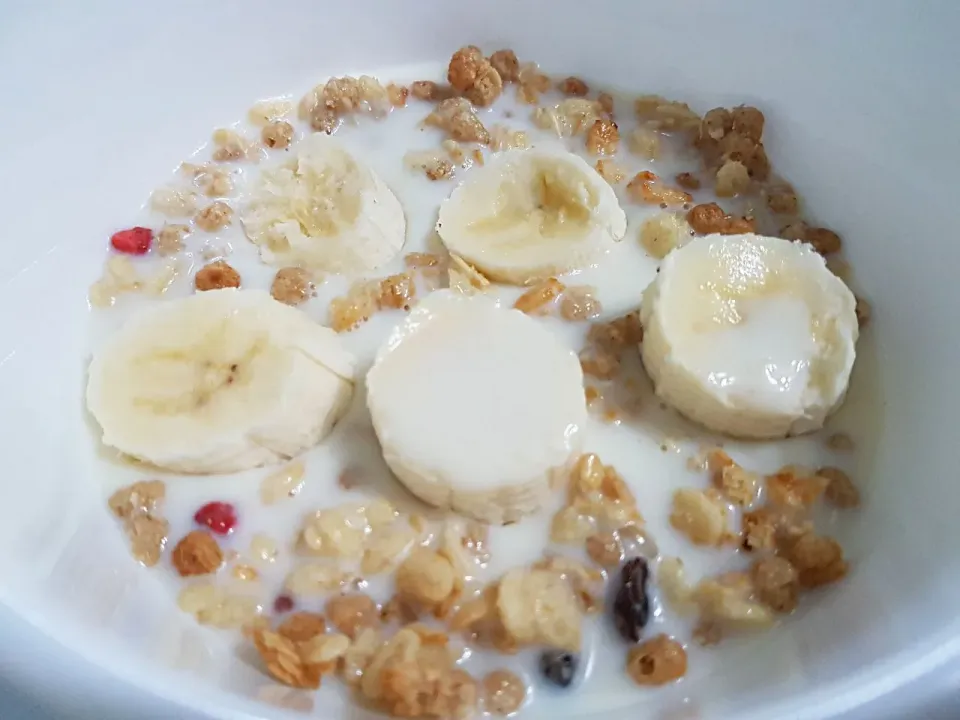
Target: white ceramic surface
x=101, y=100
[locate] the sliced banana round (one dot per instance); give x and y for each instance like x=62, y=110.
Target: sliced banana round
x=532, y=214
x=323, y=209
x=477, y=407
x=750, y=336
x=220, y=381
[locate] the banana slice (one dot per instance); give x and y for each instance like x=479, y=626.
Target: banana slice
x=323, y=209
x=220, y=381
x=748, y=335
x=477, y=407
x=531, y=214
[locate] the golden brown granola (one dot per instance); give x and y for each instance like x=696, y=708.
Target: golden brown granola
x=657, y=661
x=216, y=275
x=277, y=135
x=292, y=286
x=215, y=216
x=197, y=553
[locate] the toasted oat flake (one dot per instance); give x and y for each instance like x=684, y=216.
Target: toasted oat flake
x=578, y=303
x=213, y=605
x=266, y=111
x=230, y=145
x=663, y=232
x=540, y=296
x=698, y=516
x=644, y=142
x=315, y=579
x=456, y=117
x=611, y=171
x=170, y=239
x=174, y=202
x=664, y=114
x=647, y=187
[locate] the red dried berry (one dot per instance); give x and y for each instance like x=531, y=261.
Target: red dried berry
x=283, y=603
x=135, y=241
x=219, y=517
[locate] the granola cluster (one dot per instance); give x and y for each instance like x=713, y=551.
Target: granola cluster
x=139, y=507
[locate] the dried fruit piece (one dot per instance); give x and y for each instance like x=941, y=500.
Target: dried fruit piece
x=283, y=604
x=220, y=517
x=134, y=241
x=559, y=667
x=631, y=606
x=658, y=661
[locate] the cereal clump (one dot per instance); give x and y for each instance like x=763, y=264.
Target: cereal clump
x=277, y=135
x=215, y=216
x=603, y=137
x=710, y=218
x=699, y=516
x=539, y=297
x=292, y=286
x=473, y=75
x=138, y=506
x=456, y=117
x=197, y=553
x=663, y=232
x=215, y=276
x=646, y=187
x=657, y=661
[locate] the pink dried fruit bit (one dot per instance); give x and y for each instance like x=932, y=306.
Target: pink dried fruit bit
x=220, y=517
x=283, y=603
x=133, y=241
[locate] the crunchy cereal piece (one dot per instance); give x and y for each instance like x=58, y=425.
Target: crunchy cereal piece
x=302, y=626
x=418, y=261
x=710, y=218
x=432, y=164
x=292, y=285
x=214, y=216
x=539, y=605
x=277, y=135
x=283, y=661
x=465, y=277
x=537, y=298
x=403, y=611
x=174, y=202
x=216, y=275
x=264, y=112
x=197, y=553
x=314, y=579
x=336, y=532
x=776, y=583
x=840, y=492
x=605, y=101
x=503, y=138
x=283, y=483
x=782, y=200
x=698, y=516
x=759, y=530
x=213, y=605
x=357, y=306
x=324, y=119
x=170, y=239
x=397, y=95
x=600, y=364
x=603, y=137
x=671, y=578
x=506, y=64
x=863, y=310
x=840, y=441
x=663, y=232
x=425, y=576
x=611, y=171
x=819, y=560
x=786, y=488
x=431, y=91
x=748, y=121
x=647, y=187
x=472, y=74
x=666, y=114
x=503, y=692
x=212, y=180
x=657, y=661
x=573, y=87
x=794, y=231
x=578, y=303
x=617, y=335
x=245, y=572
x=569, y=525
x=729, y=601
x=688, y=181
x=352, y=614
x=397, y=291
x=737, y=484
x=824, y=241
x=457, y=118
x=605, y=550
x=571, y=117
x=716, y=123
x=148, y=536
x=732, y=179
x=230, y=145
x=532, y=83
x=384, y=548
x=143, y=496
x=644, y=143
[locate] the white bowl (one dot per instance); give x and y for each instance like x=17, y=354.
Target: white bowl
x=100, y=103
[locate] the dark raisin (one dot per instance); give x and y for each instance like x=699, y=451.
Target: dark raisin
x=631, y=606
x=559, y=666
